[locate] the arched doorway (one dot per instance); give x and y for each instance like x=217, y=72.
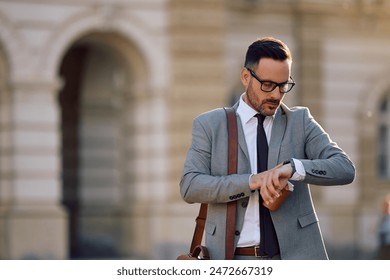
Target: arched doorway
x=96, y=77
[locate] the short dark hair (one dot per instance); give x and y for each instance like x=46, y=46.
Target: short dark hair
x=267, y=47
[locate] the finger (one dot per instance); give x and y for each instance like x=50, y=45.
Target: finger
x=272, y=199
x=276, y=180
x=273, y=192
x=269, y=197
x=265, y=194
x=273, y=184
x=277, y=166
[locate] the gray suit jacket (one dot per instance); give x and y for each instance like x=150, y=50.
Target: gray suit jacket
x=295, y=134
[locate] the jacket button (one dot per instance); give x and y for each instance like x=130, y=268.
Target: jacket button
x=244, y=204
x=237, y=233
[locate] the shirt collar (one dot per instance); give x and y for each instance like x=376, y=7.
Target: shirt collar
x=246, y=112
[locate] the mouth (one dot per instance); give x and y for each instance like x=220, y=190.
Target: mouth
x=272, y=103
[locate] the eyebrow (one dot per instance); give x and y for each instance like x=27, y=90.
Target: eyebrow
x=265, y=80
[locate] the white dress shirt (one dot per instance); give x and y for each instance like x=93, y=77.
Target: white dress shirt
x=250, y=233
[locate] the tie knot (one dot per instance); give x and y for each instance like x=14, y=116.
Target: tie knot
x=260, y=118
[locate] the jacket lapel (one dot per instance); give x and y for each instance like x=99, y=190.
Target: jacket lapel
x=278, y=130
x=241, y=139
x=241, y=136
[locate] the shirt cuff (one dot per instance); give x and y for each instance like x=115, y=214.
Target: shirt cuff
x=300, y=172
x=249, y=181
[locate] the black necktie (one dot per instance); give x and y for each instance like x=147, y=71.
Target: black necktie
x=269, y=245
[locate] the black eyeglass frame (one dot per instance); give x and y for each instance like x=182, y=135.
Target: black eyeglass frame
x=280, y=85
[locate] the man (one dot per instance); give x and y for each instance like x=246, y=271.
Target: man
x=293, y=137
x=384, y=231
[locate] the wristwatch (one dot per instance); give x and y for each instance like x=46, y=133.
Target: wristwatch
x=292, y=163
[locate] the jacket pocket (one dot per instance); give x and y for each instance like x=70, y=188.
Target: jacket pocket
x=210, y=228
x=308, y=219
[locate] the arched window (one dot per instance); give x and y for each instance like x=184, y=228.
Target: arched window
x=384, y=138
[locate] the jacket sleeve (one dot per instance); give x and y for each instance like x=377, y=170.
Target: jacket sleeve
x=200, y=182
x=326, y=163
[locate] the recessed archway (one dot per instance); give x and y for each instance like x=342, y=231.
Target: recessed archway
x=98, y=73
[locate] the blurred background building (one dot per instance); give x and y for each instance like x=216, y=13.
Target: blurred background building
x=97, y=99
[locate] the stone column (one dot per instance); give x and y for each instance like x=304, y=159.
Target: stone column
x=35, y=223
x=197, y=40
x=5, y=161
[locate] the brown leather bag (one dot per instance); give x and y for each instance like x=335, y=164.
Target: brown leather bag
x=198, y=251
x=279, y=201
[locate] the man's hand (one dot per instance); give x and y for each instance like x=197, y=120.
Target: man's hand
x=271, y=182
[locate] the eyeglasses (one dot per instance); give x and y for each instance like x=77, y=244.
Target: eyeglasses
x=268, y=86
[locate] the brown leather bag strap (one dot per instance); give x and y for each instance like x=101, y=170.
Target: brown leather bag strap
x=232, y=141
x=231, y=206
x=200, y=223
x=232, y=169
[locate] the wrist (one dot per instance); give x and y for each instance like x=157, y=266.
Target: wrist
x=252, y=186
x=292, y=164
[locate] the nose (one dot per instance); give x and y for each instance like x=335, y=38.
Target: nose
x=276, y=93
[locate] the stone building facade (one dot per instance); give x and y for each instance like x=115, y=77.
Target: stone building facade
x=97, y=99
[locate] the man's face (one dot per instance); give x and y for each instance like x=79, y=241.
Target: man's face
x=268, y=69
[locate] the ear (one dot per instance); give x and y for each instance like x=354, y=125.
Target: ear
x=245, y=77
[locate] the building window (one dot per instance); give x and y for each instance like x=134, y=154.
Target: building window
x=384, y=138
